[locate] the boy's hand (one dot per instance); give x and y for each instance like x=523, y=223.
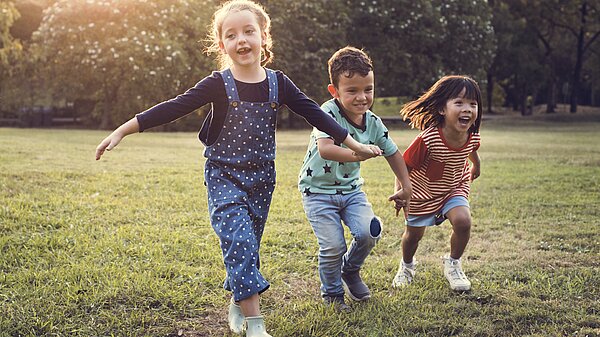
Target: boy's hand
x=108, y=144
x=367, y=151
x=402, y=201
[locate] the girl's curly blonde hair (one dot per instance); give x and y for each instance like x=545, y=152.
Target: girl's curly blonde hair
x=214, y=36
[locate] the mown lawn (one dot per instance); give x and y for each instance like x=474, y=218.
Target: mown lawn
x=123, y=246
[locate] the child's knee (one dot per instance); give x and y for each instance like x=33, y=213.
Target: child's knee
x=333, y=251
x=376, y=228
x=413, y=234
x=372, y=233
x=462, y=224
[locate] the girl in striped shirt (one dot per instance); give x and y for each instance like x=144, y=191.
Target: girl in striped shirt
x=449, y=114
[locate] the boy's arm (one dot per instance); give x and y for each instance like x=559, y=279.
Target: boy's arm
x=403, y=186
x=476, y=168
x=127, y=128
x=328, y=150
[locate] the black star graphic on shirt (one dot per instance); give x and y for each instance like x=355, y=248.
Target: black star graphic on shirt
x=338, y=192
x=371, y=143
x=331, y=113
x=352, y=135
x=337, y=183
x=309, y=172
x=374, y=117
x=346, y=175
x=307, y=191
x=327, y=168
x=341, y=163
x=353, y=186
x=386, y=134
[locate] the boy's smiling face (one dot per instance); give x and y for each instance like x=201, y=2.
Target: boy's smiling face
x=355, y=94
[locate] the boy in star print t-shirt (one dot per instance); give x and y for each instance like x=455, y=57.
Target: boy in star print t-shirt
x=330, y=179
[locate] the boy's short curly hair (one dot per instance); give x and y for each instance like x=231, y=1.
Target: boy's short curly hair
x=347, y=61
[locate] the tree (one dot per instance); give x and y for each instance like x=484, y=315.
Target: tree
x=519, y=65
x=564, y=27
x=10, y=49
x=305, y=35
x=413, y=43
x=123, y=55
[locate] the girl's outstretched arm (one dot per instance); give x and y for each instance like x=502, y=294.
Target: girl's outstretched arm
x=127, y=128
x=476, y=168
x=403, y=187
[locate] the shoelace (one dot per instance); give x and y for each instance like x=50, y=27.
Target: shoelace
x=457, y=274
x=407, y=273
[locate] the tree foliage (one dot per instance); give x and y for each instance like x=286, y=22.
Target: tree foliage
x=10, y=49
x=123, y=55
x=413, y=43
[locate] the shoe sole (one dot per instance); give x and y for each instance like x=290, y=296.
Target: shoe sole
x=349, y=293
x=461, y=288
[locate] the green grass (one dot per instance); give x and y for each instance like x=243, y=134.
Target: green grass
x=388, y=106
x=123, y=246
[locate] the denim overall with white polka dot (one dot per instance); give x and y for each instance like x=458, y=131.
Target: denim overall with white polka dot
x=240, y=178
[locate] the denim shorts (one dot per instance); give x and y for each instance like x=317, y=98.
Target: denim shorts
x=439, y=217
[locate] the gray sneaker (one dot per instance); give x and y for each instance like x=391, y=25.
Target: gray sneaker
x=337, y=302
x=355, y=287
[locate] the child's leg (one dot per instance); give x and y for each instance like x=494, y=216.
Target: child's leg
x=410, y=242
x=460, y=218
x=365, y=228
x=323, y=215
x=250, y=306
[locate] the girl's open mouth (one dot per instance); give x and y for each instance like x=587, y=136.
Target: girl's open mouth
x=243, y=51
x=464, y=120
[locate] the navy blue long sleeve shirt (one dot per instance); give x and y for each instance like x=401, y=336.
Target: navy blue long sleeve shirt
x=211, y=89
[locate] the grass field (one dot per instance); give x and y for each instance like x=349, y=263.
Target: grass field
x=123, y=247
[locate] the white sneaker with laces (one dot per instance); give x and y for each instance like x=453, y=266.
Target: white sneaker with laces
x=405, y=275
x=455, y=275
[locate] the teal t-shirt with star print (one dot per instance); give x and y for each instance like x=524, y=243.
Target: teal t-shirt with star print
x=331, y=177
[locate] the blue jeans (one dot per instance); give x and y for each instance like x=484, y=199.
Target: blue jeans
x=325, y=213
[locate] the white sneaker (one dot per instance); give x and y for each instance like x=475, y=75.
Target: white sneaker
x=454, y=274
x=405, y=275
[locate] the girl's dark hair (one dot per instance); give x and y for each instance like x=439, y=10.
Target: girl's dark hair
x=425, y=110
x=348, y=60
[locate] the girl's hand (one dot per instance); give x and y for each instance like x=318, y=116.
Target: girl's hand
x=367, y=151
x=475, y=172
x=108, y=144
x=402, y=201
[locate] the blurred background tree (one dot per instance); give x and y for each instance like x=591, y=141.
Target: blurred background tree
x=10, y=48
x=109, y=59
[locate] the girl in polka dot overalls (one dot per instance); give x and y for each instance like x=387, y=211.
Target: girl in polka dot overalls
x=239, y=136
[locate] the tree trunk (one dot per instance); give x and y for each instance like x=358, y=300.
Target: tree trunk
x=551, y=105
x=579, y=59
x=490, y=92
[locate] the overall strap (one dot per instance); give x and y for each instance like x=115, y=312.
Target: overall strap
x=230, y=89
x=273, y=88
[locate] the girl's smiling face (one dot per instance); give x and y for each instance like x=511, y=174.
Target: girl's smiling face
x=460, y=113
x=241, y=38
